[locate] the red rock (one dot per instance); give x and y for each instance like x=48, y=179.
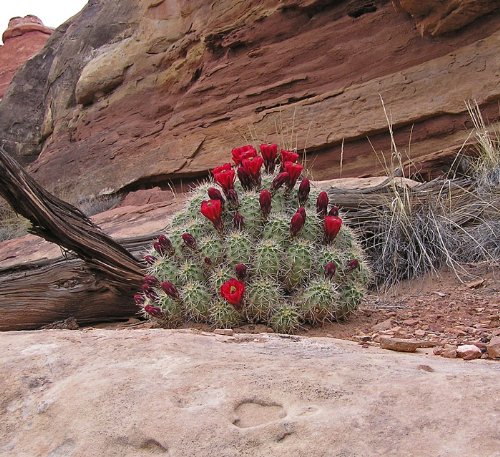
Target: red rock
x=24, y=37
x=383, y=326
x=167, y=91
x=399, y=344
x=493, y=347
x=147, y=196
x=469, y=352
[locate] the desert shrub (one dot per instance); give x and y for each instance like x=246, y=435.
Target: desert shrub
x=95, y=205
x=11, y=224
x=263, y=249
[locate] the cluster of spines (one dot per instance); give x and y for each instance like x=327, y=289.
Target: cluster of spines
x=300, y=263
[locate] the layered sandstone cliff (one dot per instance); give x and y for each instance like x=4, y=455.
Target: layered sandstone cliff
x=142, y=92
x=24, y=37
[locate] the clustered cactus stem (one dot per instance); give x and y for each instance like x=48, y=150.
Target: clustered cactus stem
x=263, y=248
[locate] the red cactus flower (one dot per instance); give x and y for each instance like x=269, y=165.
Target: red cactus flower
x=232, y=291
x=243, y=152
x=288, y=156
x=221, y=168
x=212, y=210
x=322, y=204
x=245, y=178
x=330, y=269
x=279, y=180
x=331, y=227
x=241, y=271
x=238, y=221
x=265, y=202
x=334, y=211
x=214, y=194
x=294, y=170
x=189, y=240
x=225, y=178
x=153, y=310
x=170, y=289
x=304, y=189
x=296, y=223
x=150, y=280
x=352, y=265
x=252, y=166
x=139, y=299
x=269, y=153
x=149, y=259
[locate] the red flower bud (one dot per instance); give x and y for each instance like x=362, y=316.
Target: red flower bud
x=243, y=152
x=296, y=223
x=302, y=212
x=170, y=289
x=232, y=198
x=334, y=211
x=189, y=240
x=212, y=210
x=221, y=168
x=232, y=291
x=166, y=244
x=352, y=265
x=159, y=248
x=150, y=280
x=245, y=178
x=322, y=204
x=225, y=179
x=149, y=292
x=153, y=310
x=279, y=180
x=304, y=189
x=238, y=221
x=331, y=227
x=214, y=194
x=288, y=156
x=149, y=259
x=265, y=202
x=294, y=170
x=330, y=269
x=269, y=153
x=139, y=299
x=208, y=261
x=241, y=271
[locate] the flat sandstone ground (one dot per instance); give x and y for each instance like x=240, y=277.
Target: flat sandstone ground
x=182, y=393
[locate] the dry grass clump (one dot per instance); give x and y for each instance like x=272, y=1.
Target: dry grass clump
x=416, y=230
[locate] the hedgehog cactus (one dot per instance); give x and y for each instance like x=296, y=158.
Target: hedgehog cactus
x=263, y=248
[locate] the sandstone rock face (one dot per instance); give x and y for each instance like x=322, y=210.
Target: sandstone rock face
x=177, y=393
x=144, y=92
x=24, y=37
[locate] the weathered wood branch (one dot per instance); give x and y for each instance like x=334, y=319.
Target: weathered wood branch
x=61, y=223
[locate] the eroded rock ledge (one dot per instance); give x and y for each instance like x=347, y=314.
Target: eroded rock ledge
x=140, y=93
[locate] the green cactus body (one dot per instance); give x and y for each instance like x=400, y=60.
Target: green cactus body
x=172, y=310
x=299, y=262
x=263, y=297
x=219, y=276
x=285, y=319
x=277, y=228
x=268, y=258
x=211, y=247
x=319, y=301
x=224, y=315
x=284, y=279
x=350, y=298
x=239, y=247
x=250, y=210
x=196, y=299
x=189, y=271
x=312, y=230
